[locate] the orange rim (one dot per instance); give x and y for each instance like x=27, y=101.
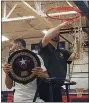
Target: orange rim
x=58, y=8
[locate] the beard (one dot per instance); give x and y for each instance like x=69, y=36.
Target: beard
x=55, y=39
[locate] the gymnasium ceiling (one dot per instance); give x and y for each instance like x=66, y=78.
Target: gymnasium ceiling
x=25, y=19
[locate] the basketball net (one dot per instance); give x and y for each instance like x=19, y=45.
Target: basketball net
x=79, y=92
x=80, y=37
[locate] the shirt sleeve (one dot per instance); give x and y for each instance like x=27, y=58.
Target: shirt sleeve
x=67, y=55
x=42, y=63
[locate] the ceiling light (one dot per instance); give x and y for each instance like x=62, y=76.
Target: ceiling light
x=45, y=31
x=4, y=38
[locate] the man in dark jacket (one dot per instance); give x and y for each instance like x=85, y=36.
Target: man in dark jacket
x=55, y=61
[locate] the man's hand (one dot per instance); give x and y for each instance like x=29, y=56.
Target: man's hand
x=39, y=72
x=7, y=68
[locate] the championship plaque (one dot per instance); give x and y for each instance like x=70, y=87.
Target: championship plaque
x=23, y=61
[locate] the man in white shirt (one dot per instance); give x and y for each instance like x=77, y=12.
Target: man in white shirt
x=23, y=93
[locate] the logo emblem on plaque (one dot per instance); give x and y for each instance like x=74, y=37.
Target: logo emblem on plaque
x=23, y=61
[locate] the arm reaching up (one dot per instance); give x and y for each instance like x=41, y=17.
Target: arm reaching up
x=52, y=33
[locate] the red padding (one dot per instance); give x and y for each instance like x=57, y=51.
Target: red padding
x=86, y=96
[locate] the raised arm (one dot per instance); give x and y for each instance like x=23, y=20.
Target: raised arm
x=52, y=33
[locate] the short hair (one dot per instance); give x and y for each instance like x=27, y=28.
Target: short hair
x=22, y=41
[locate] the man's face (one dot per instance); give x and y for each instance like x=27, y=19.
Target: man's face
x=56, y=39
x=12, y=47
